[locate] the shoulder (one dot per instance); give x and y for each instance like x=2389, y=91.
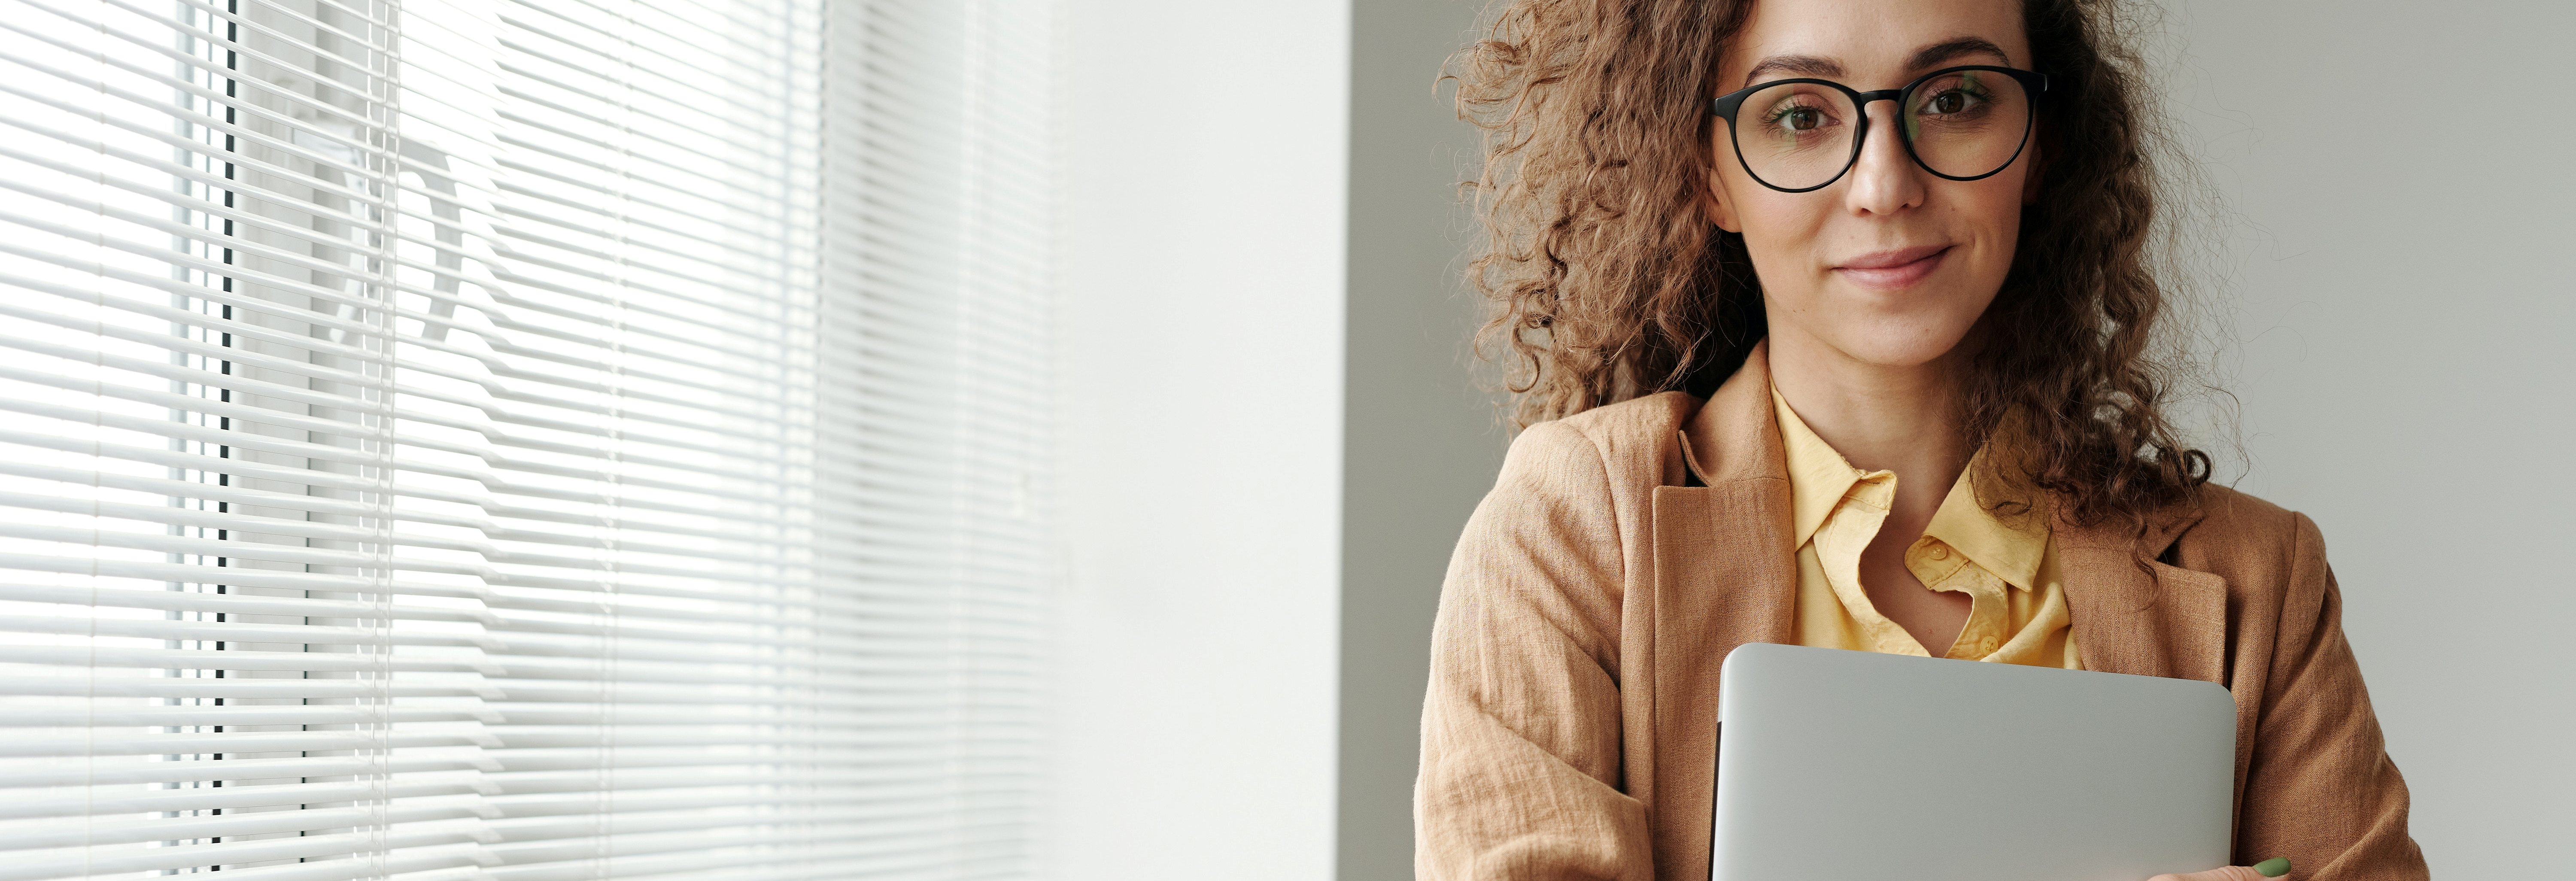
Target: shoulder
x=1629, y=443
x=1579, y=488
x=2258, y=546
x=2234, y=523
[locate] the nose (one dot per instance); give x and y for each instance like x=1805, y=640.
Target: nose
x=1884, y=180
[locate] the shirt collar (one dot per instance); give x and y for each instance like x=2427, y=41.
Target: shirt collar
x=2008, y=544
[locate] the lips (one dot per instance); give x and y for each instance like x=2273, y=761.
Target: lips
x=1895, y=269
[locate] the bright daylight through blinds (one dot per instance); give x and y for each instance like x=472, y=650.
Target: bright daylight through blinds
x=531, y=440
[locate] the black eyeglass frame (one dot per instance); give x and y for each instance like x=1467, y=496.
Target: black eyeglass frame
x=2033, y=83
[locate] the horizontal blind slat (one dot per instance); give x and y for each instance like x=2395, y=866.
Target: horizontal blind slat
x=212, y=744
x=107, y=771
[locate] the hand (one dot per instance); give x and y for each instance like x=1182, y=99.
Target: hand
x=2271, y=868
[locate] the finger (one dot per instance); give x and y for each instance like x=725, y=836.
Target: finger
x=2224, y=873
x=2262, y=871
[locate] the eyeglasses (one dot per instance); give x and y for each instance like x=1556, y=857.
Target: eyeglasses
x=1962, y=123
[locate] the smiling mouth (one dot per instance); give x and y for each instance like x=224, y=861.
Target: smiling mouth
x=1893, y=270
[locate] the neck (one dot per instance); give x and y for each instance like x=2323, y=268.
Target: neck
x=1880, y=417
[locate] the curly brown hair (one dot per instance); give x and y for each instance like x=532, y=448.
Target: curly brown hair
x=1605, y=281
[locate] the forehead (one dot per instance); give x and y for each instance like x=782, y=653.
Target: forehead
x=1871, y=40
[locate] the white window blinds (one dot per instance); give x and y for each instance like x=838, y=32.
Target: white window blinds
x=522, y=440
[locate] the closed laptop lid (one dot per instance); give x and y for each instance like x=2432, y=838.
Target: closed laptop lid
x=1852, y=766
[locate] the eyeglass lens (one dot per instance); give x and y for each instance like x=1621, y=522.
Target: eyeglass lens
x=1962, y=124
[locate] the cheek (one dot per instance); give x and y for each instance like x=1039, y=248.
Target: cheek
x=1782, y=231
x=1989, y=212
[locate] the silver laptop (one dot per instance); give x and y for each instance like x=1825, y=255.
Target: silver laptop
x=1852, y=766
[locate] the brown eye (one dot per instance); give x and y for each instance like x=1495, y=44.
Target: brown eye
x=1798, y=117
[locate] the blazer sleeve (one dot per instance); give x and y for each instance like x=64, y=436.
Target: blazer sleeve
x=1521, y=725
x=2319, y=787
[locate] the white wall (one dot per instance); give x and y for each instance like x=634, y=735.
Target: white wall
x=1201, y=337
x=1421, y=440
x=2411, y=336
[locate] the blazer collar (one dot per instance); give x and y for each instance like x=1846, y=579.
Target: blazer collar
x=2133, y=613
x=1735, y=436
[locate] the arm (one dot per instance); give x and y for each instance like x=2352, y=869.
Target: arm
x=1520, y=729
x=2320, y=789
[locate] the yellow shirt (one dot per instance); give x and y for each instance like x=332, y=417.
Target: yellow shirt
x=2006, y=564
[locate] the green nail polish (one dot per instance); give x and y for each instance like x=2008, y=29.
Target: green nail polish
x=2274, y=867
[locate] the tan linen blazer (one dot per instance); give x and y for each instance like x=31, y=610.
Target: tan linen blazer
x=1570, y=728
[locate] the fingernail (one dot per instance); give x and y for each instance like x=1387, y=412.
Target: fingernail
x=2273, y=868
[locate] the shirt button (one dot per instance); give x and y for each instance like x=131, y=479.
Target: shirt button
x=1940, y=553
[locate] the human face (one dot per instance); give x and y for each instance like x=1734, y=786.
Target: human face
x=1890, y=265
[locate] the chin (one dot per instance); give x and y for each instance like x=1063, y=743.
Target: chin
x=1901, y=329
x=1899, y=343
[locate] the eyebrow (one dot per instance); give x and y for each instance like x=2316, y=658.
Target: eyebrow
x=1794, y=65
x=1952, y=50
x=1827, y=68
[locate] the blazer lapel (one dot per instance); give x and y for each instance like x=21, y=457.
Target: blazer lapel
x=1724, y=575
x=2162, y=620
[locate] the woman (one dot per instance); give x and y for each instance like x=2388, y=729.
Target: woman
x=1813, y=363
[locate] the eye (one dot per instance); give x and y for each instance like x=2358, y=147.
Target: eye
x=1798, y=115
x=1951, y=101
x=1964, y=94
